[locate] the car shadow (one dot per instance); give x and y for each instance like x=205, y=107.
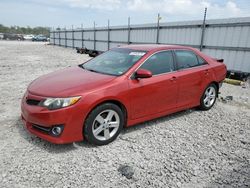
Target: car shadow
x=155, y=121
x=62, y=148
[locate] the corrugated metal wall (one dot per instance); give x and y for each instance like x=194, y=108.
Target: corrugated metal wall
x=223, y=38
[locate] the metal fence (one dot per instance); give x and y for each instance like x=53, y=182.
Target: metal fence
x=220, y=38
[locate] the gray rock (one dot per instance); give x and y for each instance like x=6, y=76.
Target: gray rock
x=126, y=171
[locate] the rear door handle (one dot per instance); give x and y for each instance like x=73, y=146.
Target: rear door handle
x=173, y=78
x=206, y=72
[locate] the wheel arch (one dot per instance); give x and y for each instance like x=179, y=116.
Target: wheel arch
x=118, y=103
x=209, y=83
x=114, y=101
x=217, y=86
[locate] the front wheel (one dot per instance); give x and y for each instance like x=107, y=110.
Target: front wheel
x=103, y=124
x=209, y=97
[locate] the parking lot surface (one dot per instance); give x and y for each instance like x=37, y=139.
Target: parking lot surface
x=191, y=148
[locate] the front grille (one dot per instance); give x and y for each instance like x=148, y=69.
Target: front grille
x=32, y=102
x=41, y=128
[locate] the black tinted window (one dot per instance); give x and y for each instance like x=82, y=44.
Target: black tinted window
x=186, y=59
x=159, y=63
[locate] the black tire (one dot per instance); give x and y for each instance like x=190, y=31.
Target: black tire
x=203, y=105
x=89, y=123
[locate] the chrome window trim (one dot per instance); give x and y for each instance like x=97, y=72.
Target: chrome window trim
x=193, y=67
x=175, y=62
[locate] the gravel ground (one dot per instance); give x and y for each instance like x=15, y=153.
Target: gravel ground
x=188, y=149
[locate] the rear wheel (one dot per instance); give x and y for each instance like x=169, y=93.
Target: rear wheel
x=209, y=97
x=104, y=124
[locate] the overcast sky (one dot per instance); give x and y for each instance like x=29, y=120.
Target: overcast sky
x=63, y=13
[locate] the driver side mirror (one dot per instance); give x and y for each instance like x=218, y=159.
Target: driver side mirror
x=143, y=73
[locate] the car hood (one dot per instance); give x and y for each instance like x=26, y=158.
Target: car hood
x=68, y=82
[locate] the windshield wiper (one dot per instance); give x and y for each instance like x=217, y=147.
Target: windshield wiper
x=92, y=70
x=81, y=65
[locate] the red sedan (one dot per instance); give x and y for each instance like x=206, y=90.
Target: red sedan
x=120, y=88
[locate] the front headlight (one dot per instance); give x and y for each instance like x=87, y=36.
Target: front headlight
x=56, y=103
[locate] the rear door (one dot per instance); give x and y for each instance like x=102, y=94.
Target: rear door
x=156, y=94
x=193, y=74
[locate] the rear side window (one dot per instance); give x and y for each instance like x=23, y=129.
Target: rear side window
x=186, y=59
x=201, y=60
x=159, y=63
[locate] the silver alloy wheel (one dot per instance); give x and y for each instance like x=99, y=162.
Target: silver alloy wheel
x=105, y=125
x=210, y=95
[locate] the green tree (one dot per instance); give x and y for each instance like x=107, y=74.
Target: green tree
x=25, y=30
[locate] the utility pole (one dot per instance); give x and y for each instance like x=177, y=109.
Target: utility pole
x=203, y=29
x=108, y=36
x=65, y=37
x=54, y=36
x=128, y=30
x=82, y=34
x=94, y=37
x=59, y=35
x=158, y=28
x=73, y=37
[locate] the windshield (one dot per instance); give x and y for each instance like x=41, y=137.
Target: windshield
x=114, y=62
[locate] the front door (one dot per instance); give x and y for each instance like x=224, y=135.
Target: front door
x=156, y=94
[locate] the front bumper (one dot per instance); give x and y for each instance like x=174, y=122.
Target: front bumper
x=72, y=119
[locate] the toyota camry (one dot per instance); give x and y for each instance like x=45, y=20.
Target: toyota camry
x=122, y=87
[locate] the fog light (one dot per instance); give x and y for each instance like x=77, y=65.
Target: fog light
x=57, y=130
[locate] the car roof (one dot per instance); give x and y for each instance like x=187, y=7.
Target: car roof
x=154, y=47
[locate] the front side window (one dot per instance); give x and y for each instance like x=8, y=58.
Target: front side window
x=186, y=59
x=159, y=63
x=114, y=62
